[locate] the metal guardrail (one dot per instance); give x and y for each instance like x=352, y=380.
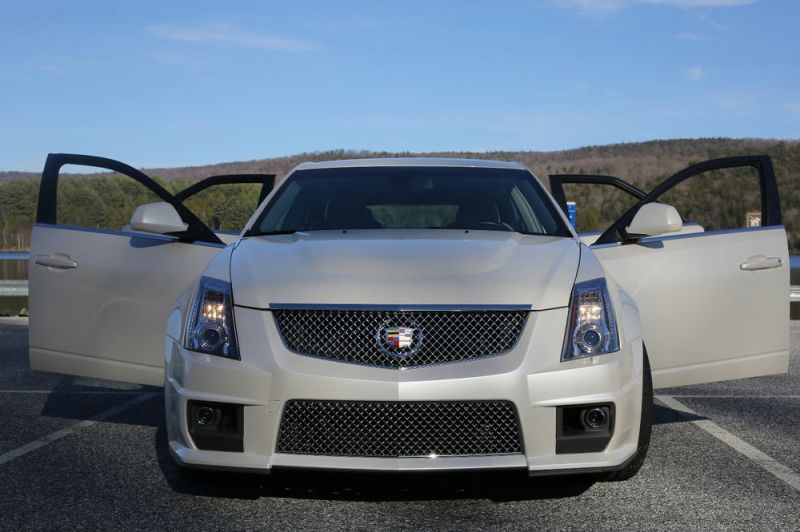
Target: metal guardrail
x=13, y=288
x=794, y=294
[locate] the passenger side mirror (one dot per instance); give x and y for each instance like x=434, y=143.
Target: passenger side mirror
x=654, y=219
x=160, y=218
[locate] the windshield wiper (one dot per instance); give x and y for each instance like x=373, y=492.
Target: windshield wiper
x=276, y=232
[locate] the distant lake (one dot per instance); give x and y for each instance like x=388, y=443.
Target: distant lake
x=13, y=265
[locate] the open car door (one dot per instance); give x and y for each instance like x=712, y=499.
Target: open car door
x=100, y=291
x=713, y=303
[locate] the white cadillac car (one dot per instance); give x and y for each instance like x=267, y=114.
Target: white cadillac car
x=409, y=315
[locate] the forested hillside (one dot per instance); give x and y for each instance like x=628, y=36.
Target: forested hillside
x=102, y=199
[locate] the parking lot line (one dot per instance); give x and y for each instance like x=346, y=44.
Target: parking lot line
x=57, y=435
x=711, y=396
x=777, y=469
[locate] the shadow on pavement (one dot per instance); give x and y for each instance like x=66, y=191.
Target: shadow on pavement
x=75, y=398
x=663, y=415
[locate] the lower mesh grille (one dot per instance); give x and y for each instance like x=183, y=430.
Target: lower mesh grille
x=399, y=429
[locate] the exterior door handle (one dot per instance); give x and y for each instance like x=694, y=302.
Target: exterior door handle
x=761, y=262
x=56, y=260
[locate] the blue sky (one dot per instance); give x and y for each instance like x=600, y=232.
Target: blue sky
x=158, y=83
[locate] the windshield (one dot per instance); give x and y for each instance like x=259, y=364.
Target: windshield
x=465, y=198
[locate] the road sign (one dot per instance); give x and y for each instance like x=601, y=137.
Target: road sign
x=571, y=210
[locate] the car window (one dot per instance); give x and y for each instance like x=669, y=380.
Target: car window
x=412, y=198
x=597, y=206
x=98, y=200
x=718, y=199
x=225, y=207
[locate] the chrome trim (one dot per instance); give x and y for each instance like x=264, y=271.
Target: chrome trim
x=396, y=308
x=132, y=234
x=416, y=464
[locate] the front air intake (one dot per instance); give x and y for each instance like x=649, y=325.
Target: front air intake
x=399, y=429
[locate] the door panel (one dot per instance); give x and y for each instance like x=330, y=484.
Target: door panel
x=713, y=304
x=100, y=298
x=704, y=318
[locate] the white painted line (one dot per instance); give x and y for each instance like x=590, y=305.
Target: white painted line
x=63, y=433
x=766, y=396
x=779, y=470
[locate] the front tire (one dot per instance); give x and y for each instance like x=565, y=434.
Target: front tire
x=645, y=427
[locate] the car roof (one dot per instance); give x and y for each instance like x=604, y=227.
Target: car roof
x=411, y=162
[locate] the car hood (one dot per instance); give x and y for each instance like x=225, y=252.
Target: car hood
x=404, y=267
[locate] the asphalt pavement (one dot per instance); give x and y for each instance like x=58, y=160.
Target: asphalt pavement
x=85, y=454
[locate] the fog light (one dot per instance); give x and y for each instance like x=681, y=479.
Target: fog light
x=595, y=418
x=206, y=416
x=216, y=426
x=584, y=428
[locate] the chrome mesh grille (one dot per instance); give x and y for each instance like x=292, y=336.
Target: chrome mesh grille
x=399, y=429
x=438, y=336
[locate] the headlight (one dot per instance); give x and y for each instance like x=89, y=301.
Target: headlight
x=592, y=327
x=210, y=328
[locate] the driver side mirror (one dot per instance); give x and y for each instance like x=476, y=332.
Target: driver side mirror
x=654, y=219
x=160, y=218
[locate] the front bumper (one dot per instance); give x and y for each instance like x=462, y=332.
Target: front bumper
x=531, y=376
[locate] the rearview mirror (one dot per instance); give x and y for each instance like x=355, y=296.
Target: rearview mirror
x=160, y=218
x=654, y=219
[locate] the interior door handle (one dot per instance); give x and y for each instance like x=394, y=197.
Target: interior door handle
x=761, y=262
x=56, y=260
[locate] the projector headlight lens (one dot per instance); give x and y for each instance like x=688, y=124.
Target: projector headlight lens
x=211, y=329
x=592, y=326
